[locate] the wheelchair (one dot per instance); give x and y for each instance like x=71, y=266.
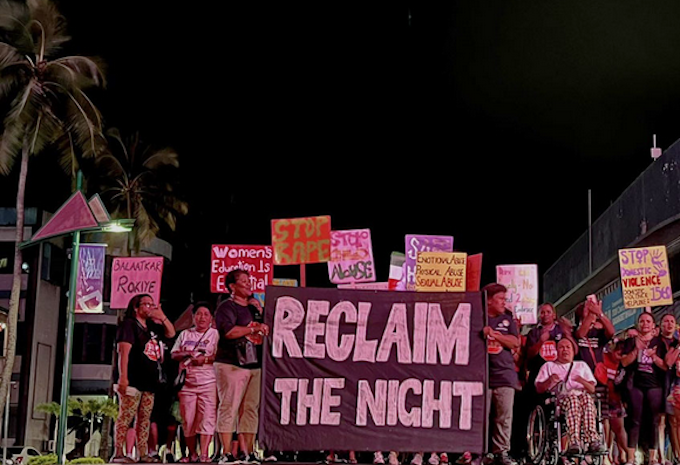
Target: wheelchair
x=545, y=429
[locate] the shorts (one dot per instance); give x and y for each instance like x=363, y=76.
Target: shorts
x=616, y=409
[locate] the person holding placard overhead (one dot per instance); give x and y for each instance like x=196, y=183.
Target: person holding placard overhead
x=140, y=352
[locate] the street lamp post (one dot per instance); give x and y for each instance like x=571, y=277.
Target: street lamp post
x=68, y=347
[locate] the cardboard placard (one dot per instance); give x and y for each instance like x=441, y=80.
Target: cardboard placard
x=441, y=272
x=298, y=241
x=135, y=275
x=645, y=277
x=351, y=257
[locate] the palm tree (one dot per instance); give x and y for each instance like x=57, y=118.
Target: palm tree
x=137, y=181
x=47, y=103
x=53, y=408
x=96, y=410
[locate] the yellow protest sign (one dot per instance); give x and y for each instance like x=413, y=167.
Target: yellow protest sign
x=441, y=271
x=645, y=278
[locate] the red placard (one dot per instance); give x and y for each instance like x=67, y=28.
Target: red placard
x=298, y=241
x=473, y=275
x=255, y=259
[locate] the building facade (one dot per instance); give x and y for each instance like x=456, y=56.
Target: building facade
x=646, y=214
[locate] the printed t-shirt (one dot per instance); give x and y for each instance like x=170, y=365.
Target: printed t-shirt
x=646, y=374
x=146, y=352
x=205, y=342
x=596, y=338
x=548, y=351
x=501, y=363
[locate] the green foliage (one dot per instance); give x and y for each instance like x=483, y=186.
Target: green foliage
x=49, y=459
x=54, y=408
x=87, y=460
x=96, y=407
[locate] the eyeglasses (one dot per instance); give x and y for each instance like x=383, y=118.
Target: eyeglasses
x=146, y=304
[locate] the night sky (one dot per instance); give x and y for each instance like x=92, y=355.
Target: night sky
x=485, y=120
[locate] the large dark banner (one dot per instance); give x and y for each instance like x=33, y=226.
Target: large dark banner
x=373, y=370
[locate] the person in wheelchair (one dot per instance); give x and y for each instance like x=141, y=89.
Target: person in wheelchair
x=573, y=383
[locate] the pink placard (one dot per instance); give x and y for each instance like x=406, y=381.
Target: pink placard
x=136, y=275
x=351, y=257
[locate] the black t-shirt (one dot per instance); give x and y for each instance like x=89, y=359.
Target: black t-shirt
x=145, y=353
x=596, y=339
x=547, y=353
x=501, y=364
x=228, y=315
x=646, y=374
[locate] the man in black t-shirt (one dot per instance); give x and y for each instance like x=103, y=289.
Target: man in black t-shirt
x=502, y=337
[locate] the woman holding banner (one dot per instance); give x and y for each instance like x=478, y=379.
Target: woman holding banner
x=140, y=353
x=237, y=364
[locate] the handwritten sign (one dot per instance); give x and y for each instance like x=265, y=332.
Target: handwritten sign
x=90, y=282
x=645, y=277
x=473, y=275
x=441, y=272
x=285, y=282
x=301, y=240
x=257, y=260
x=419, y=243
x=522, y=295
x=135, y=275
x=351, y=257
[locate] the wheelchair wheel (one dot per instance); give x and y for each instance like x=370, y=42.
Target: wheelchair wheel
x=596, y=459
x=537, y=436
x=553, y=456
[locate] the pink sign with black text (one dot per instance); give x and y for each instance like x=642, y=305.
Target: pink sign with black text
x=351, y=257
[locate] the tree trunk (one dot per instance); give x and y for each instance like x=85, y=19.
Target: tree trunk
x=15, y=297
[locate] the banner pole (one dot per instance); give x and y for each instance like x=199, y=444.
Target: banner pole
x=303, y=275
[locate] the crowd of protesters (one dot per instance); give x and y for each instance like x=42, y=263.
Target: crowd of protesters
x=216, y=379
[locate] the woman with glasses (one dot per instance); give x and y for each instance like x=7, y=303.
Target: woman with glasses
x=140, y=352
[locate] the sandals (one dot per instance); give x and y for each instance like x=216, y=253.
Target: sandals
x=122, y=459
x=149, y=459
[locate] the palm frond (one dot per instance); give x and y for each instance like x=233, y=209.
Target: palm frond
x=10, y=145
x=84, y=71
x=160, y=158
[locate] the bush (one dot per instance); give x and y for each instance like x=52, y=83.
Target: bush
x=87, y=460
x=49, y=459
